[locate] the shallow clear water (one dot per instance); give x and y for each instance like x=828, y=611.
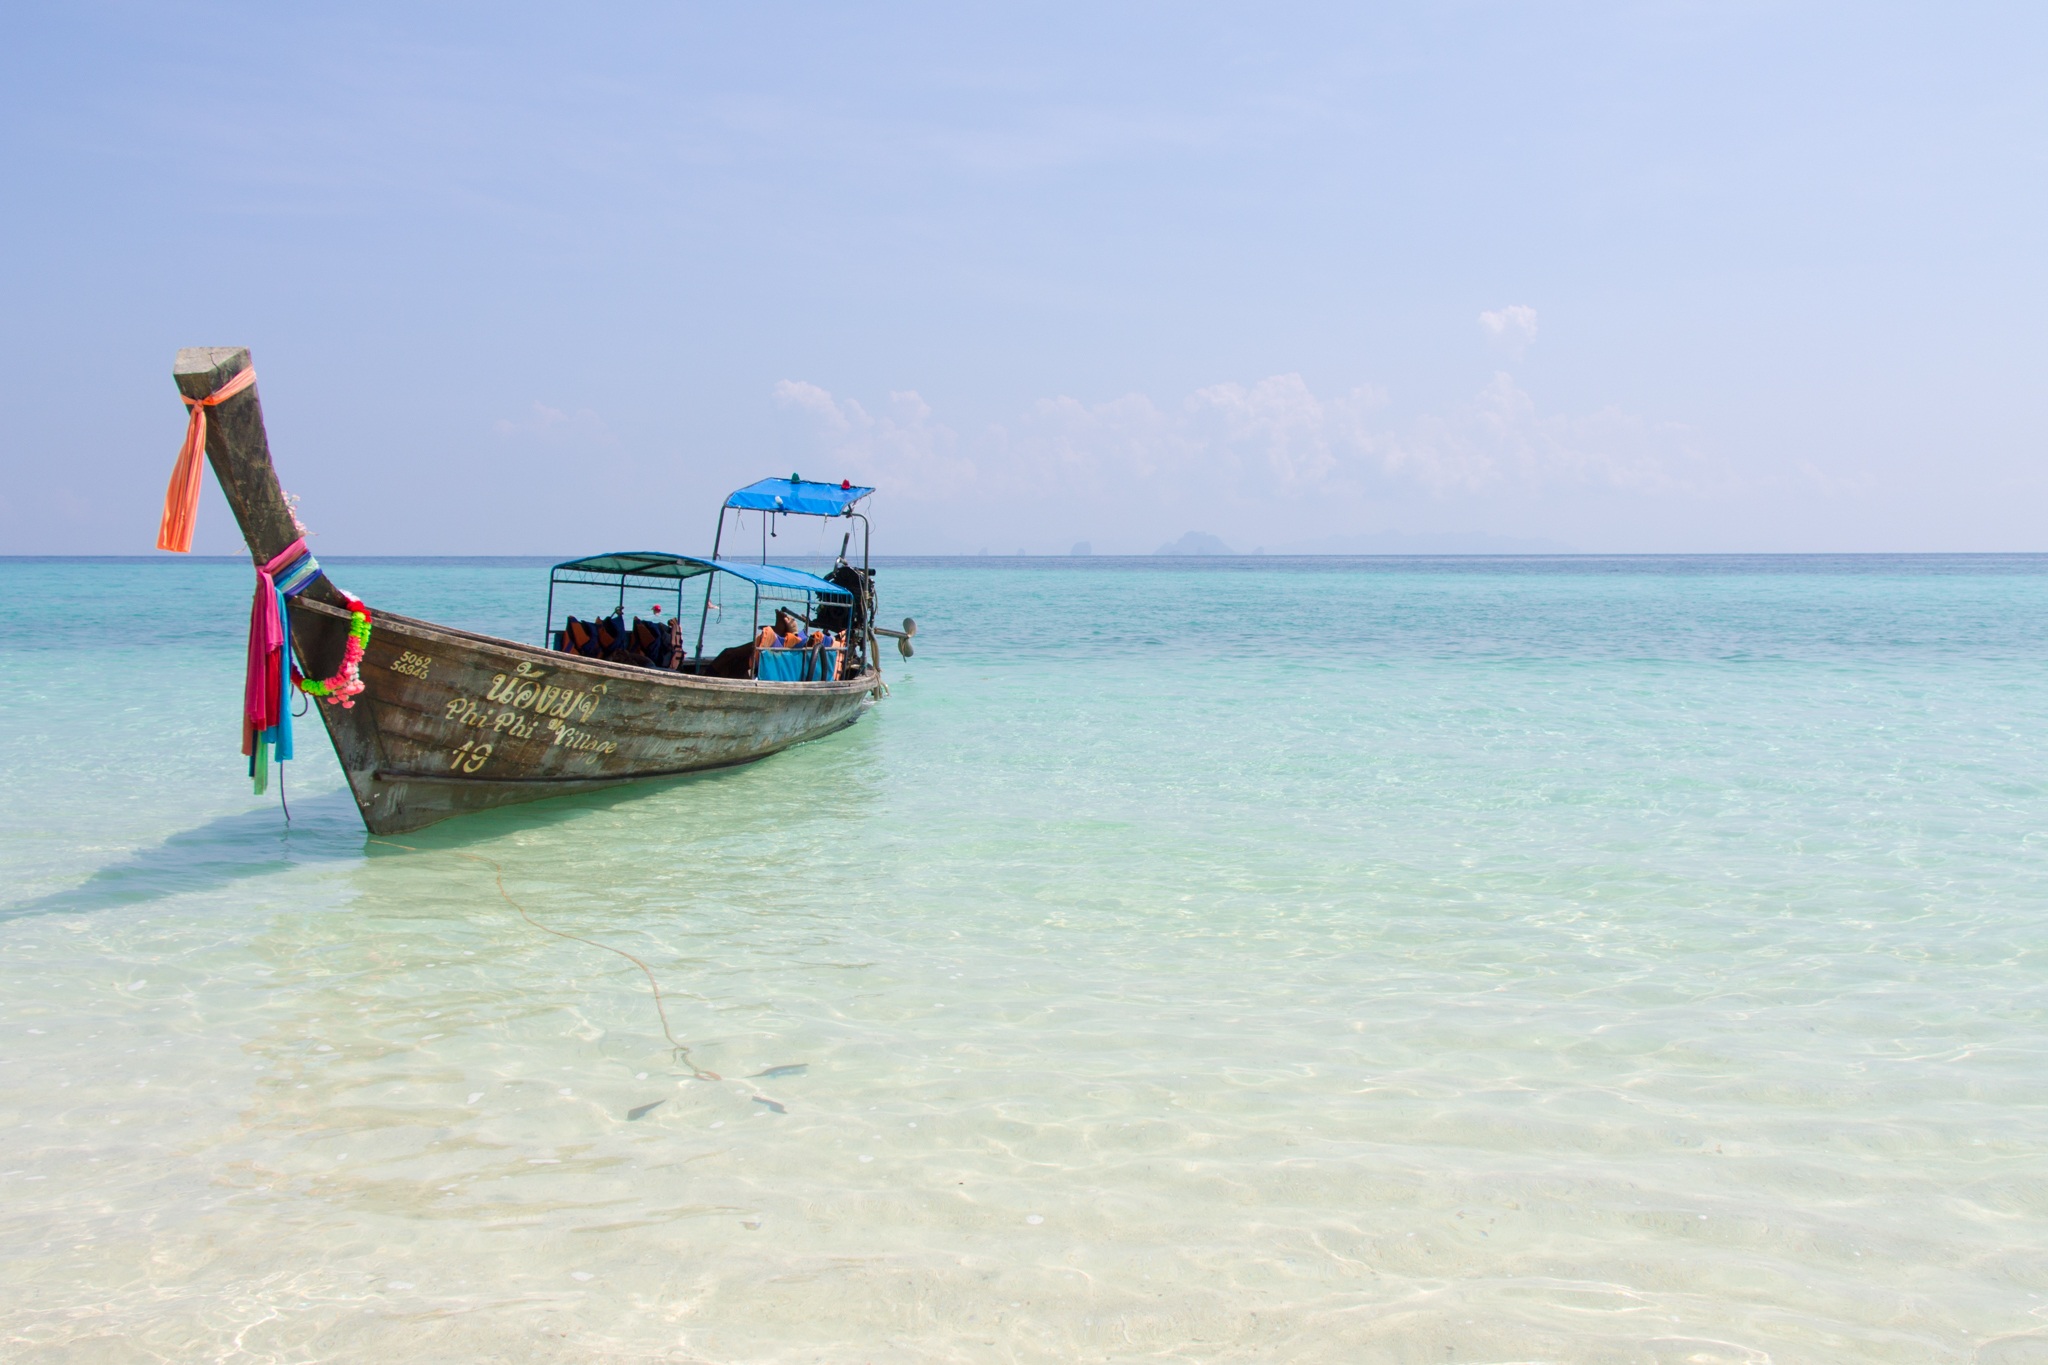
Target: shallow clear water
x=1427, y=960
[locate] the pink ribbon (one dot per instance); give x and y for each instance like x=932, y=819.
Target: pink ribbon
x=263, y=683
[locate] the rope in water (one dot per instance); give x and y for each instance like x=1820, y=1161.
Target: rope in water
x=682, y=1053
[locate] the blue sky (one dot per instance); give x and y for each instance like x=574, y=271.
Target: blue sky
x=1616, y=277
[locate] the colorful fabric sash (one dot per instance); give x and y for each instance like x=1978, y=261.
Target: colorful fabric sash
x=181, y=499
x=266, y=686
x=270, y=676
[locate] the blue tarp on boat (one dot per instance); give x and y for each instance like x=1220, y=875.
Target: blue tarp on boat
x=776, y=576
x=802, y=496
x=797, y=665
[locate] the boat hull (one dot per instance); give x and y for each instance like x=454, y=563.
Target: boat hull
x=451, y=722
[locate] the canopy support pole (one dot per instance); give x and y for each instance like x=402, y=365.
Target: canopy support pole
x=704, y=617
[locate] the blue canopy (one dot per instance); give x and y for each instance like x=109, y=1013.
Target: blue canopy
x=776, y=576
x=661, y=564
x=801, y=496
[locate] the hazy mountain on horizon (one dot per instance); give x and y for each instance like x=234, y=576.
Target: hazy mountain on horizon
x=1379, y=543
x=1195, y=543
x=1425, y=543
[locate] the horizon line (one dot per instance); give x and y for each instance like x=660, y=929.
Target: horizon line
x=1132, y=557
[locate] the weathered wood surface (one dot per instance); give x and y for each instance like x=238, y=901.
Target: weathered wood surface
x=238, y=448
x=450, y=721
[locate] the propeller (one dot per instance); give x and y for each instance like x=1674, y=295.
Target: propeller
x=901, y=637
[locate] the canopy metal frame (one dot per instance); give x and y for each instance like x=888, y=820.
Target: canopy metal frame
x=751, y=494
x=659, y=571
x=563, y=575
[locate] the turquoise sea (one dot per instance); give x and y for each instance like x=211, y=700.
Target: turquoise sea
x=1326, y=960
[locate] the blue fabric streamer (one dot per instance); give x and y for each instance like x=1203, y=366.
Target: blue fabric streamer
x=276, y=742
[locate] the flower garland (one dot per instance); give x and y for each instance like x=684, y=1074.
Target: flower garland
x=341, y=688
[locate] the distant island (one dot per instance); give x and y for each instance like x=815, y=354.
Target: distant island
x=1379, y=543
x=1195, y=543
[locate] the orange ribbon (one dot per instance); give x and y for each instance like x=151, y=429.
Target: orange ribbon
x=181, y=499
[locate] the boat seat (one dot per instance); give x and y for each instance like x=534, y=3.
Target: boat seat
x=602, y=639
x=648, y=644
x=650, y=638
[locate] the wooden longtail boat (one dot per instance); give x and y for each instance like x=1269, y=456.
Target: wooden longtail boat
x=450, y=721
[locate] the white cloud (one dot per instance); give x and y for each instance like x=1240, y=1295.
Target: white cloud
x=902, y=447
x=1502, y=441
x=1088, y=447
x=1513, y=326
x=1235, y=448
x=1279, y=430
